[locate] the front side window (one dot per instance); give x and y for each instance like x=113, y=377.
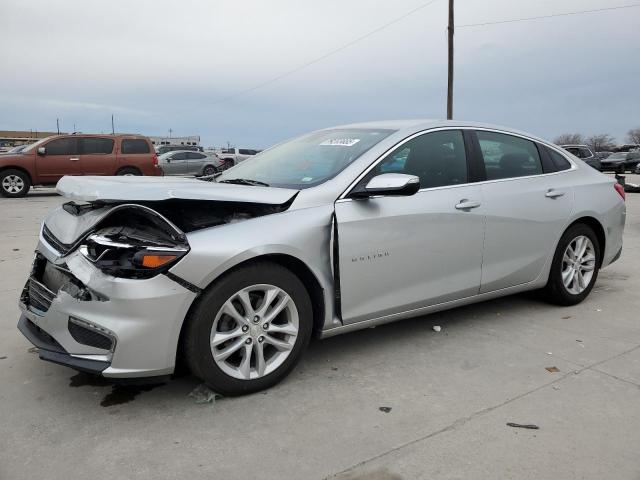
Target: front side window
x=63, y=146
x=437, y=158
x=309, y=160
x=506, y=156
x=96, y=145
x=585, y=153
x=134, y=145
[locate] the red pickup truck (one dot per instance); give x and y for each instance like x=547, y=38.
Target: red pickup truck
x=48, y=160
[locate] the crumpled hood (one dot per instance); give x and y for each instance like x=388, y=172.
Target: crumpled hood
x=145, y=189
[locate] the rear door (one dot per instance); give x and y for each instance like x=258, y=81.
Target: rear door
x=526, y=205
x=401, y=253
x=196, y=162
x=62, y=157
x=97, y=155
x=136, y=153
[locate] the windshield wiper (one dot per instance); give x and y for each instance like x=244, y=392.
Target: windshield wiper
x=244, y=181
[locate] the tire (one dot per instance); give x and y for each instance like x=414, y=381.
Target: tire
x=620, y=169
x=128, y=171
x=209, y=170
x=14, y=183
x=209, y=319
x=556, y=291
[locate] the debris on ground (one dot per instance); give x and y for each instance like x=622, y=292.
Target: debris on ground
x=385, y=409
x=578, y=340
x=566, y=317
x=549, y=353
x=556, y=387
x=552, y=369
x=32, y=349
x=598, y=309
x=436, y=328
x=3, y=357
x=203, y=394
x=520, y=425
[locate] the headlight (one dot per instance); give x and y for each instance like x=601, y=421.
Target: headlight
x=132, y=252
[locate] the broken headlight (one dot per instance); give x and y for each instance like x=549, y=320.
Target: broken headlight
x=133, y=252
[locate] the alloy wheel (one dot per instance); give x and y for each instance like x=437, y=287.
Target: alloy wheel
x=12, y=184
x=578, y=264
x=254, y=332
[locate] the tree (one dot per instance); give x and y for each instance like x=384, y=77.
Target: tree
x=601, y=142
x=569, y=139
x=633, y=135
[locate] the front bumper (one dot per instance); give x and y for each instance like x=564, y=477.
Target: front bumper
x=140, y=319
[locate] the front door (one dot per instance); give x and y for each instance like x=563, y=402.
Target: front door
x=176, y=164
x=402, y=253
x=61, y=157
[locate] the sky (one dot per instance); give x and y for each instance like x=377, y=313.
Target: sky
x=184, y=65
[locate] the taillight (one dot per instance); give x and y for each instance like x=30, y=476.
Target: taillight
x=155, y=159
x=620, y=189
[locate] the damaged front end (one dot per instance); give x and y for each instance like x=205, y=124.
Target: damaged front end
x=100, y=296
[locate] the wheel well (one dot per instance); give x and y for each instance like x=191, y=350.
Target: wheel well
x=598, y=229
x=298, y=267
x=11, y=167
x=128, y=167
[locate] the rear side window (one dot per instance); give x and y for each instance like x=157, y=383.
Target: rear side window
x=558, y=160
x=63, y=146
x=506, y=156
x=135, y=145
x=196, y=156
x=585, y=153
x=95, y=145
x=244, y=151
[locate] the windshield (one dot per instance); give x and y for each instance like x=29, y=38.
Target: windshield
x=36, y=145
x=306, y=161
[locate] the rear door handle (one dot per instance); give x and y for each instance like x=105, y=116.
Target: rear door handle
x=467, y=205
x=551, y=193
x=74, y=159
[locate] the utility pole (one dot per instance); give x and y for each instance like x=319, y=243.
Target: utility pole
x=58, y=125
x=450, y=70
x=113, y=129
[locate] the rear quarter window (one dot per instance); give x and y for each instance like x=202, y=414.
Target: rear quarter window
x=507, y=156
x=135, y=145
x=558, y=160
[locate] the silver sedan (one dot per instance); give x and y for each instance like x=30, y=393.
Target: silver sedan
x=337, y=230
x=187, y=162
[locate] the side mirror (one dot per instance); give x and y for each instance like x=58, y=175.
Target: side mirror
x=395, y=184
x=42, y=151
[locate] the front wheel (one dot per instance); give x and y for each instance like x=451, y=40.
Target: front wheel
x=249, y=329
x=128, y=172
x=14, y=183
x=575, y=266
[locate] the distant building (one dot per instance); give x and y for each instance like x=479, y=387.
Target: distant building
x=189, y=140
x=18, y=137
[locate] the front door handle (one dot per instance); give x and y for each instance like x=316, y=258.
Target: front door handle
x=467, y=204
x=74, y=159
x=551, y=193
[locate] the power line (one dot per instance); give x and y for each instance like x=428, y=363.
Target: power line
x=548, y=16
x=322, y=57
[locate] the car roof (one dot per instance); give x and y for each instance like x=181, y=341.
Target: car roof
x=411, y=126
x=574, y=145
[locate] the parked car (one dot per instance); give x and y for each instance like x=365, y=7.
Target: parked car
x=48, y=160
x=585, y=154
x=186, y=162
x=333, y=231
x=16, y=149
x=232, y=156
x=603, y=155
x=162, y=149
x=620, y=162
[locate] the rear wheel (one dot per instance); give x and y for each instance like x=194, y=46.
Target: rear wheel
x=14, y=183
x=575, y=266
x=128, y=172
x=249, y=329
x=208, y=170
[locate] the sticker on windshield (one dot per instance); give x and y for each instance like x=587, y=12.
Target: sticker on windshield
x=307, y=179
x=341, y=142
